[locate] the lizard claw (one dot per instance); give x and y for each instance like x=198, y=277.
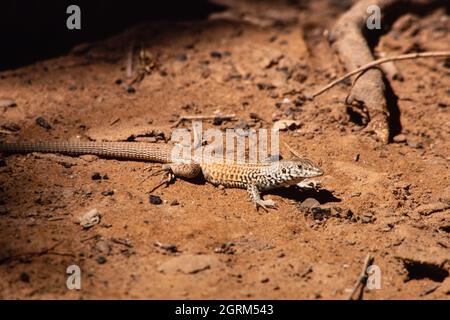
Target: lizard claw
x=167, y=178
x=309, y=184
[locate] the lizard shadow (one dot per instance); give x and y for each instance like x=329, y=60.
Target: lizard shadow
x=299, y=195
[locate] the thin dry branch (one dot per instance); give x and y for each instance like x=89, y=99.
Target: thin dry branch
x=409, y=56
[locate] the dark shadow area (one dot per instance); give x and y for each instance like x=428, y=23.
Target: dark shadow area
x=294, y=193
x=394, y=111
x=421, y=270
x=34, y=30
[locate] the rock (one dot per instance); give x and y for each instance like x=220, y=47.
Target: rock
x=43, y=123
x=89, y=219
x=11, y=126
x=181, y=57
x=108, y=193
x=154, y=199
x=88, y=157
x=308, y=204
x=166, y=248
x=96, y=176
x=414, y=144
x=401, y=138
x=319, y=213
x=24, y=277
x=103, y=247
x=427, y=209
x=265, y=86
x=368, y=218
x=189, y=264
x=101, y=260
x=174, y=202
x=7, y=103
x=216, y=54
x=284, y=125
x=227, y=248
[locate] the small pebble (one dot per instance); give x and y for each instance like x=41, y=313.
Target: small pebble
x=108, y=193
x=7, y=103
x=155, y=199
x=101, y=260
x=174, y=202
x=43, y=123
x=181, y=57
x=216, y=54
x=401, y=138
x=24, y=277
x=96, y=176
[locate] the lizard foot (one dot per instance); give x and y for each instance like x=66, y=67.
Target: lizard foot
x=167, y=178
x=309, y=184
x=266, y=204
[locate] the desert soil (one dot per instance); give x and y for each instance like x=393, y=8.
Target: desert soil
x=390, y=201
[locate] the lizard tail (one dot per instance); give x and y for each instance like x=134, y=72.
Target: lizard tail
x=122, y=150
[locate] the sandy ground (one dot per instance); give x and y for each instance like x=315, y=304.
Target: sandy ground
x=387, y=200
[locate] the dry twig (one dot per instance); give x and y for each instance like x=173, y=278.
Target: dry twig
x=409, y=56
x=362, y=279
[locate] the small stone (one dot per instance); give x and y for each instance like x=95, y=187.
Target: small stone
x=108, y=193
x=88, y=157
x=174, y=202
x=308, y=204
x=181, y=57
x=7, y=103
x=89, y=219
x=101, y=260
x=427, y=209
x=155, y=199
x=215, y=54
x=284, y=125
x=368, y=218
x=265, y=86
x=401, y=138
x=319, y=213
x=103, y=247
x=43, y=123
x=265, y=280
x=96, y=176
x=131, y=89
x=414, y=144
x=24, y=277
x=11, y=126
x=356, y=157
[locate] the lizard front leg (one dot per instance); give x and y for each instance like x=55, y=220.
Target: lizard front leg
x=255, y=196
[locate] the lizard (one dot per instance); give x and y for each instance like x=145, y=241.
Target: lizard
x=255, y=177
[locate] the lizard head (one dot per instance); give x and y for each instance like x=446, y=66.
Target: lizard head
x=300, y=168
x=291, y=172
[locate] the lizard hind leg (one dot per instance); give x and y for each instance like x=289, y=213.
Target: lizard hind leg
x=255, y=196
x=173, y=170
